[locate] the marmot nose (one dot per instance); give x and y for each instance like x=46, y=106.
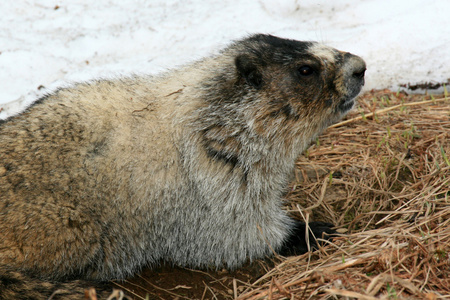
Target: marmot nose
x=355, y=68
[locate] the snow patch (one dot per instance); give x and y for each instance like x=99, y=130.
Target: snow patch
x=46, y=43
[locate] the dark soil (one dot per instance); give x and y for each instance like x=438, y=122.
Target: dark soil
x=167, y=282
x=425, y=86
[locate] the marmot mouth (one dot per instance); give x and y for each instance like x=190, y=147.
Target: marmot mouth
x=346, y=105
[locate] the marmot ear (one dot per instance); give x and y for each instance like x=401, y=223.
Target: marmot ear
x=248, y=69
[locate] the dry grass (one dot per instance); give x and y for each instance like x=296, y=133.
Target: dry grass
x=384, y=177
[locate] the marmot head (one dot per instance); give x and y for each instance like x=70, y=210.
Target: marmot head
x=302, y=81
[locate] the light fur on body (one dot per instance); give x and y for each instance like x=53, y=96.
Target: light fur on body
x=104, y=177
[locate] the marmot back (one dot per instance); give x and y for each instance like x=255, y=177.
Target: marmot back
x=102, y=178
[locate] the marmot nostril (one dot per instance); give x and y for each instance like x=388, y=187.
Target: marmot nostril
x=359, y=73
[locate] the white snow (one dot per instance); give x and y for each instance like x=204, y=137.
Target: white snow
x=46, y=43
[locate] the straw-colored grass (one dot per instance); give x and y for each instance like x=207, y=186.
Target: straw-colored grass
x=383, y=176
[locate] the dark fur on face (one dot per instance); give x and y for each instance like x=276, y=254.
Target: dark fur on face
x=295, y=86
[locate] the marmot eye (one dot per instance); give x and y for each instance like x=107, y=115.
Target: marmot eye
x=305, y=70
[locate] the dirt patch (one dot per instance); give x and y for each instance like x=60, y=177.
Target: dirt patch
x=426, y=86
x=383, y=177
x=167, y=282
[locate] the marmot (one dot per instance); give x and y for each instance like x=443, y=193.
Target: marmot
x=102, y=178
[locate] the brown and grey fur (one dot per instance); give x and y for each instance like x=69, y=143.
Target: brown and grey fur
x=104, y=177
